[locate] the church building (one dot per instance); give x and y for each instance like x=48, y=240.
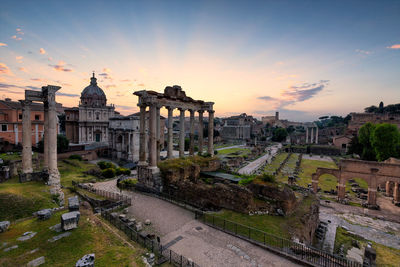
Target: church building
x=88, y=123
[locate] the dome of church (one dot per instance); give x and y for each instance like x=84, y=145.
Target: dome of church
x=93, y=95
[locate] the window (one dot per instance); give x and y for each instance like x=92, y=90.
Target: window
x=20, y=116
x=343, y=145
x=4, y=127
x=37, y=117
x=90, y=114
x=97, y=116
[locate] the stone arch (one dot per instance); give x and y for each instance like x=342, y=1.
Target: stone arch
x=322, y=171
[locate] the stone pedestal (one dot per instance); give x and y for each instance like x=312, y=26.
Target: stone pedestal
x=372, y=196
x=341, y=191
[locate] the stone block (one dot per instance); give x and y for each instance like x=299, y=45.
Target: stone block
x=70, y=220
x=73, y=203
x=44, y=214
x=36, y=262
x=26, y=236
x=86, y=261
x=4, y=226
x=147, y=222
x=138, y=227
x=10, y=248
x=58, y=237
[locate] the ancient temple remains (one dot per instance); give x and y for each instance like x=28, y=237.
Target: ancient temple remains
x=172, y=98
x=47, y=95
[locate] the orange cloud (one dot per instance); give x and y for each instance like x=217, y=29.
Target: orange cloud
x=60, y=67
x=3, y=44
x=23, y=69
x=42, y=51
x=19, y=59
x=16, y=38
x=4, y=69
x=395, y=46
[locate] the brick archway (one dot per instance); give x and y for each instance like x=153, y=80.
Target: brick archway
x=374, y=173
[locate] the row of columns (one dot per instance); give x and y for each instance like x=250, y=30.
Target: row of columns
x=154, y=133
x=50, y=138
x=310, y=138
x=393, y=190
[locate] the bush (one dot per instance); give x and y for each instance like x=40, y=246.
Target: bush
x=246, y=181
x=215, y=152
x=108, y=173
x=105, y=165
x=124, y=171
x=78, y=157
x=129, y=182
x=267, y=177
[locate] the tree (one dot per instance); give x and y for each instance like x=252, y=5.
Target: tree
x=355, y=147
x=385, y=140
x=62, y=143
x=381, y=107
x=279, y=134
x=364, y=137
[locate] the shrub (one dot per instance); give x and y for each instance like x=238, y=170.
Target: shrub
x=129, y=182
x=124, y=171
x=78, y=157
x=246, y=181
x=215, y=152
x=266, y=177
x=105, y=165
x=108, y=173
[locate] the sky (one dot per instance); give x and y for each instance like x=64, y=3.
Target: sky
x=305, y=59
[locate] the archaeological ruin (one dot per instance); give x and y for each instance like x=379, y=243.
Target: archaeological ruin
x=48, y=96
x=374, y=173
x=172, y=98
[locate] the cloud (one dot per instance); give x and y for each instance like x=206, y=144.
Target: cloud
x=67, y=95
x=107, y=70
x=37, y=80
x=141, y=84
x=125, y=107
x=295, y=94
x=23, y=69
x=4, y=69
x=60, y=67
x=110, y=86
x=5, y=86
x=363, y=52
x=19, y=59
x=106, y=74
x=395, y=46
x=19, y=31
x=42, y=51
x=16, y=38
x=126, y=80
x=3, y=44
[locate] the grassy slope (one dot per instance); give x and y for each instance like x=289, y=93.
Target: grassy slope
x=21, y=200
x=275, y=163
x=290, y=165
x=74, y=171
x=308, y=167
x=236, y=150
x=385, y=256
x=89, y=237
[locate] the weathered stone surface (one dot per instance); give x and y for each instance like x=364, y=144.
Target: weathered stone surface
x=56, y=227
x=86, y=261
x=36, y=262
x=26, y=236
x=138, y=227
x=147, y=222
x=10, y=248
x=44, y=214
x=58, y=237
x=73, y=203
x=70, y=220
x=4, y=226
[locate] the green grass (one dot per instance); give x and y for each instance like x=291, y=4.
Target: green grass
x=275, y=163
x=291, y=165
x=308, y=167
x=89, y=237
x=385, y=256
x=19, y=200
x=237, y=151
x=73, y=169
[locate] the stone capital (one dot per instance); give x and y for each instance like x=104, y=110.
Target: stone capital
x=200, y=111
x=211, y=111
x=25, y=103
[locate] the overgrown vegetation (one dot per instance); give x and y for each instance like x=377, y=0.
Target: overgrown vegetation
x=109, y=170
x=178, y=163
x=78, y=157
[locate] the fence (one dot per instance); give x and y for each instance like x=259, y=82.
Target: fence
x=115, y=196
x=304, y=253
x=164, y=254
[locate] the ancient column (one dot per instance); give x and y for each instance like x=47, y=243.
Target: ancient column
x=153, y=136
x=312, y=135
x=142, y=143
x=371, y=196
x=158, y=132
x=49, y=93
x=170, y=134
x=306, y=135
x=341, y=190
x=129, y=146
x=182, y=133
x=200, y=130
x=316, y=136
x=191, y=144
x=396, y=193
x=26, y=136
x=211, y=132
x=46, y=136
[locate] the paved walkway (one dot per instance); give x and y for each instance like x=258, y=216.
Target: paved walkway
x=204, y=245
x=254, y=165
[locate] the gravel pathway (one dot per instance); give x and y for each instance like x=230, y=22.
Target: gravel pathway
x=254, y=165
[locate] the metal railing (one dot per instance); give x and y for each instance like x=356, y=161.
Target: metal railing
x=299, y=251
x=164, y=254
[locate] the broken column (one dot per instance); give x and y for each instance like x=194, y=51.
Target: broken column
x=396, y=193
x=314, y=183
x=341, y=191
x=26, y=137
x=371, y=196
x=49, y=94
